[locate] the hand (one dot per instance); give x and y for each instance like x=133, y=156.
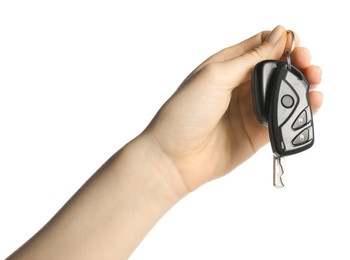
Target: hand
x=208, y=127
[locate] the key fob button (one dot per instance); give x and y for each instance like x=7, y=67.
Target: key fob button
x=287, y=101
x=300, y=121
x=301, y=138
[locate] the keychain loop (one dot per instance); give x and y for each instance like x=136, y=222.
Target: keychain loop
x=289, y=53
x=289, y=60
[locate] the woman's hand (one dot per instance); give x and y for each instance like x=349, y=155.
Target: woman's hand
x=208, y=127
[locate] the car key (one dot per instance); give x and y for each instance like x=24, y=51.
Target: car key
x=278, y=171
x=290, y=118
x=280, y=98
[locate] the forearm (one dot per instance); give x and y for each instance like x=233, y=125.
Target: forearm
x=110, y=215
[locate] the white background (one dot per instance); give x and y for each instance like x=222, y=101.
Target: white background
x=79, y=79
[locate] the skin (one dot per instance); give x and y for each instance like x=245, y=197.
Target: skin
x=205, y=130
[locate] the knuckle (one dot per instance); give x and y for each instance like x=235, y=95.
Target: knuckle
x=255, y=54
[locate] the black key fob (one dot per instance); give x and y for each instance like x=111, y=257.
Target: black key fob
x=280, y=98
x=289, y=117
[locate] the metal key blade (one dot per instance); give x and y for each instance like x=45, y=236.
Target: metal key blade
x=278, y=171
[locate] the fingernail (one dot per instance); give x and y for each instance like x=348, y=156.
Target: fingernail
x=275, y=35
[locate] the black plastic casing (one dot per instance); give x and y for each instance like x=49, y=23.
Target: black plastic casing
x=271, y=81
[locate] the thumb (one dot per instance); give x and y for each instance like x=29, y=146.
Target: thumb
x=238, y=70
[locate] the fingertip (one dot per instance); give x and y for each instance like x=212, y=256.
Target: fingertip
x=313, y=74
x=316, y=99
x=275, y=35
x=301, y=57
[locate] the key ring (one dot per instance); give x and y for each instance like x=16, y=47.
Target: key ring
x=289, y=53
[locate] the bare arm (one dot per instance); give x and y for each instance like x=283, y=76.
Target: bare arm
x=109, y=216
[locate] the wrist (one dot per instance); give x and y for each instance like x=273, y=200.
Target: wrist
x=157, y=171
